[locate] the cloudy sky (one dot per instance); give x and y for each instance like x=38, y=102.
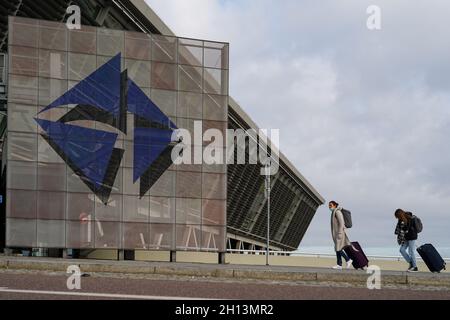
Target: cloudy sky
x=364, y=115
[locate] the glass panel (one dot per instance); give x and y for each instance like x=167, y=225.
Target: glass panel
x=164, y=48
x=189, y=105
x=53, y=64
x=190, y=165
x=213, y=238
x=118, y=183
x=110, y=42
x=51, y=234
x=107, y=234
x=22, y=146
x=22, y=175
x=188, y=237
x=23, y=32
x=162, y=210
x=46, y=152
x=135, y=235
x=189, y=211
x=218, y=125
x=80, y=206
x=51, y=205
x=212, y=57
x=162, y=236
x=165, y=186
x=50, y=90
x=216, y=58
x=23, y=90
x=80, y=234
x=128, y=155
x=136, y=209
x=51, y=176
x=189, y=125
x=21, y=118
x=191, y=54
x=189, y=184
x=21, y=233
x=23, y=61
x=21, y=204
x=214, y=186
x=139, y=72
x=166, y=101
x=164, y=76
x=130, y=129
x=215, y=81
x=101, y=60
x=214, y=160
x=137, y=45
x=81, y=65
x=75, y=183
x=190, y=78
x=52, y=114
x=52, y=35
x=112, y=211
x=214, y=212
x=83, y=40
x=215, y=107
x=129, y=187
x=215, y=168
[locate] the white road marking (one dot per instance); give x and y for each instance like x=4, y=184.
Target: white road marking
x=99, y=295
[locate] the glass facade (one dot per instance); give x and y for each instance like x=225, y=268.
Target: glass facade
x=90, y=113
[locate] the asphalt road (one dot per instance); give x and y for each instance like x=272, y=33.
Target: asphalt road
x=32, y=285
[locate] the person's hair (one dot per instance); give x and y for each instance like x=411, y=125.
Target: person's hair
x=334, y=203
x=401, y=215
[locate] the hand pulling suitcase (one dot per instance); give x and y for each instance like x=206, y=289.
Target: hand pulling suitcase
x=431, y=257
x=358, y=256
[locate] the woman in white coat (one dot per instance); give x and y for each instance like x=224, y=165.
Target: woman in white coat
x=339, y=236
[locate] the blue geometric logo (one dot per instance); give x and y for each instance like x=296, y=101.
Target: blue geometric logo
x=107, y=96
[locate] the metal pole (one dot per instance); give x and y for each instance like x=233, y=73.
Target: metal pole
x=268, y=212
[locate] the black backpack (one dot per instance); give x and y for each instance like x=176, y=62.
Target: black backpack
x=417, y=224
x=347, y=218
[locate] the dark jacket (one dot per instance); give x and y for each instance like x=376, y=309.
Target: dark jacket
x=405, y=231
x=411, y=234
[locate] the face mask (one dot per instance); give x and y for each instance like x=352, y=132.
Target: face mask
x=331, y=209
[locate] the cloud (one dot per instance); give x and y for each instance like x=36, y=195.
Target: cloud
x=364, y=115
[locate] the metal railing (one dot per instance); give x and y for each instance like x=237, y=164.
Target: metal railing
x=315, y=255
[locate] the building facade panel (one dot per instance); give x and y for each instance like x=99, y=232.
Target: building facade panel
x=92, y=113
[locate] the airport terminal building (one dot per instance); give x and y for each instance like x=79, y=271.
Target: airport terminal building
x=87, y=123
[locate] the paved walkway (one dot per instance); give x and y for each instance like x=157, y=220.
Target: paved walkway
x=230, y=271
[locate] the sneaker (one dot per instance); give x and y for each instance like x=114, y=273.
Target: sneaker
x=413, y=269
x=337, y=267
x=349, y=263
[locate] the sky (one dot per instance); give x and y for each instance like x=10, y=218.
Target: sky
x=363, y=114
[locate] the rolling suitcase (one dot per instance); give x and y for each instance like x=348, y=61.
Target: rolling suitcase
x=431, y=257
x=358, y=256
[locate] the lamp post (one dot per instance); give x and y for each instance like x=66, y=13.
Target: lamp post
x=268, y=210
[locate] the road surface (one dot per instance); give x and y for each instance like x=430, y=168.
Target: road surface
x=46, y=285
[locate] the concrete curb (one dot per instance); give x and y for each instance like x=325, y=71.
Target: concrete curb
x=274, y=275
x=229, y=271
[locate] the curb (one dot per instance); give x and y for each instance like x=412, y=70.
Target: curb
x=356, y=277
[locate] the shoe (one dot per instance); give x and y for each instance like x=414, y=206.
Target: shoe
x=413, y=269
x=337, y=267
x=349, y=263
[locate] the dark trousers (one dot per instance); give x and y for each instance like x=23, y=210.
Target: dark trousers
x=339, y=255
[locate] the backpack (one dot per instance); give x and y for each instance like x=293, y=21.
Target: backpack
x=417, y=224
x=347, y=218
